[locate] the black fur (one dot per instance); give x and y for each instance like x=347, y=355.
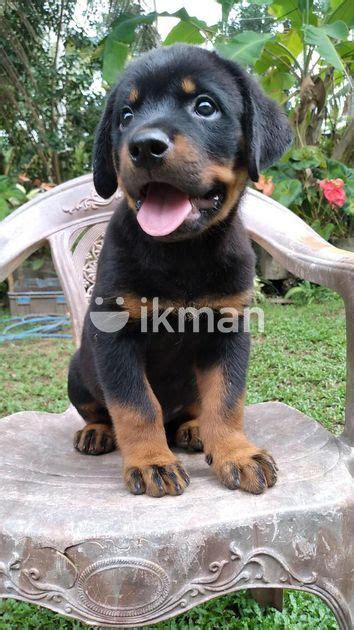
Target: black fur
x=212, y=258
x=265, y=126
x=254, y=130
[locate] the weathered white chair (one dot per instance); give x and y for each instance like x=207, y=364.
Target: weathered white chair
x=74, y=540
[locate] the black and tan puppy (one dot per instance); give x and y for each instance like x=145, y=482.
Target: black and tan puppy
x=181, y=134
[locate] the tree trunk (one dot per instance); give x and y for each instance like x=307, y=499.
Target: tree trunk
x=344, y=149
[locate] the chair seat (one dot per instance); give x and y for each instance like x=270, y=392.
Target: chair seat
x=84, y=545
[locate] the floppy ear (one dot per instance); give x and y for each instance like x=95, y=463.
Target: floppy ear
x=266, y=128
x=104, y=175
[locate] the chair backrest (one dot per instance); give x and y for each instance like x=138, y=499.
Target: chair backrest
x=73, y=219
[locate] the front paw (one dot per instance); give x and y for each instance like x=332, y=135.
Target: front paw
x=156, y=480
x=249, y=468
x=95, y=439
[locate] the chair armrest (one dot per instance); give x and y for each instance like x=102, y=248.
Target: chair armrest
x=295, y=245
x=303, y=252
x=32, y=224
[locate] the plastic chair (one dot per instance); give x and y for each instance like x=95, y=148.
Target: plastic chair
x=74, y=540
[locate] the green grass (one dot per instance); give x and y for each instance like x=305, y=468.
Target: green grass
x=235, y=612
x=299, y=360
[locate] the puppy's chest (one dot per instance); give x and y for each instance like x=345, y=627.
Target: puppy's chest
x=181, y=297
x=186, y=308
x=207, y=284
x=194, y=279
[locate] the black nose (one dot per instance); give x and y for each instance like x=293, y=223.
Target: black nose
x=148, y=147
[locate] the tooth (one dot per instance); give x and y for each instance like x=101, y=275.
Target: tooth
x=138, y=204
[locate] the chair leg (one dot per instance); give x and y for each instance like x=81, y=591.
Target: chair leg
x=268, y=597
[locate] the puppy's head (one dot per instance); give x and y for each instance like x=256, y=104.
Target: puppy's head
x=181, y=133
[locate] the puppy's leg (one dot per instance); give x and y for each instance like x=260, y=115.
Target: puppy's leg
x=97, y=436
x=149, y=464
x=237, y=462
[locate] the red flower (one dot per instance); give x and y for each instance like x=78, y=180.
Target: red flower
x=333, y=190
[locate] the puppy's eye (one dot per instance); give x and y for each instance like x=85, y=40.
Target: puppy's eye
x=126, y=116
x=205, y=106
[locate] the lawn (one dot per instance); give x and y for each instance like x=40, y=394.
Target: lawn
x=299, y=360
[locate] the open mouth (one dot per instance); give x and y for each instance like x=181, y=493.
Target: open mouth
x=162, y=208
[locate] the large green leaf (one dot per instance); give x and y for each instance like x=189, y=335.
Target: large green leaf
x=317, y=37
x=287, y=9
x=184, y=32
x=269, y=61
x=5, y=182
x=10, y=194
x=308, y=156
x=323, y=229
x=287, y=191
x=246, y=48
x=345, y=12
x=337, y=30
x=281, y=52
x=116, y=46
x=114, y=58
x=260, y=2
x=188, y=29
x=275, y=83
x=346, y=51
x=4, y=208
x=291, y=40
x=185, y=17
x=332, y=4
x=124, y=27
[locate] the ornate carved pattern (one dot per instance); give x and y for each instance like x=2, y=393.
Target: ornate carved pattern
x=71, y=595
x=145, y=566
x=259, y=566
x=90, y=266
x=26, y=584
x=92, y=202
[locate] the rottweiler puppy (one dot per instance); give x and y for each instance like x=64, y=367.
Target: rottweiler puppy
x=180, y=135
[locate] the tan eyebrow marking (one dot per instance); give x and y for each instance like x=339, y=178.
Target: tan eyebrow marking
x=134, y=95
x=188, y=85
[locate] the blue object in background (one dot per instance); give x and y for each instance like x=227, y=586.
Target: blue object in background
x=39, y=326
x=23, y=299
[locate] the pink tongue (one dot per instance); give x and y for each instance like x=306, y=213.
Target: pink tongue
x=164, y=209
